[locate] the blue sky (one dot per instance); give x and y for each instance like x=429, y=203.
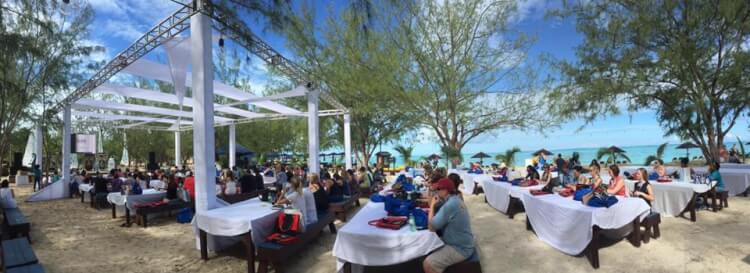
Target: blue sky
x=120, y=22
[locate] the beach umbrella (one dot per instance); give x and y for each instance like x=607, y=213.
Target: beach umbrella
x=687, y=146
x=615, y=151
x=542, y=151
x=481, y=156
x=434, y=156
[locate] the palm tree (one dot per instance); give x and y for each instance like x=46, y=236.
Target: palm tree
x=451, y=154
x=405, y=153
x=743, y=154
x=611, y=155
x=509, y=157
x=659, y=154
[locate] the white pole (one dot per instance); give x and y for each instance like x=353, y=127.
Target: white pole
x=232, y=146
x=203, y=111
x=177, y=150
x=66, y=150
x=312, y=131
x=38, y=146
x=348, y=141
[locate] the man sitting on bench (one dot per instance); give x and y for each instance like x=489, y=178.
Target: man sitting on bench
x=453, y=220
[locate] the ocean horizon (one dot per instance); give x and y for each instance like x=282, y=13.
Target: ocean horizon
x=636, y=153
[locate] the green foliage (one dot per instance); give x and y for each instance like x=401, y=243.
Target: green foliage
x=452, y=155
x=509, y=157
x=659, y=154
x=611, y=155
x=743, y=154
x=42, y=53
x=406, y=153
x=684, y=59
x=465, y=73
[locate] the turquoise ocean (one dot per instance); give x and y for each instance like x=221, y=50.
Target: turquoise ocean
x=637, y=154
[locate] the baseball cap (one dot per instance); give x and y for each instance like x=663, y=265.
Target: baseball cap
x=444, y=184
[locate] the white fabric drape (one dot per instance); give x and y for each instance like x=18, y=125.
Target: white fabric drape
x=359, y=243
x=566, y=224
x=671, y=198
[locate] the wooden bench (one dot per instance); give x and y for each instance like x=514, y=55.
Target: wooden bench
x=34, y=268
x=470, y=265
x=17, y=253
x=651, y=225
x=339, y=209
x=142, y=213
x=273, y=254
x=16, y=224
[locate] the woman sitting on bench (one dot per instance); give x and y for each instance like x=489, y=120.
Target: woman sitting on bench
x=294, y=197
x=319, y=192
x=7, y=197
x=454, y=221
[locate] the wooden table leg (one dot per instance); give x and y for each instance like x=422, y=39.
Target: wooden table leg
x=127, y=216
x=247, y=239
x=635, y=235
x=114, y=213
x=82, y=193
x=713, y=199
x=347, y=267
x=91, y=199
x=592, y=250
x=202, y=237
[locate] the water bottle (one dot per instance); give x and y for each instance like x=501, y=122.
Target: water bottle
x=412, y=223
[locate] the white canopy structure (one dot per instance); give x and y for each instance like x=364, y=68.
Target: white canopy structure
x=205, y=113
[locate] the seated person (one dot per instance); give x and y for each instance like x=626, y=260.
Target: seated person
x=685, y=171
x=247, y=183
x=617, y=184
x=531, y=173
x=319, y=192
x=659, y=169
x=171, y=191
x=596, y=179
x=7, y=197
x=714, y=175
x=456, y=179
x=642, y=188
x=335, y=190
x=295, y=197
x=475, y=169
x=454, y=222
x=578, y=177
x=546, y=174
x=503, y=171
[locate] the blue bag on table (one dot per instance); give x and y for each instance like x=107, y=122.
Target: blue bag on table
x=398, y=207
x=516, y=181
x=420, y=218
x=578, y=196
x=602, y=201
x=377, y=198
x=653, y=176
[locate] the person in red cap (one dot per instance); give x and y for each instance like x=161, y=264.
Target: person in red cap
x=453, y=220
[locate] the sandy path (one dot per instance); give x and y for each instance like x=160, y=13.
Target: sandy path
x=69, y=236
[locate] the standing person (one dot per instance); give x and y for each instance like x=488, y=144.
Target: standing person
x=617, y=184
x=7, y=197
x=37, y=177
x=559, y=162
x=454, y=222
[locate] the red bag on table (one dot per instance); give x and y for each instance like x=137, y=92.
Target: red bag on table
x=390, y=222
x=566, y=192
x=538, y=192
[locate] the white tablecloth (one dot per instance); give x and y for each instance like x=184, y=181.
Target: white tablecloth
x=671, y=198
x=149, y=195
x=22, y=180
x=156, y=184
x=566, y=224
x=268, y=180
x=736, y=180
x=237, y=219
x=85, y=190
x=359, y=243
x=498, y=193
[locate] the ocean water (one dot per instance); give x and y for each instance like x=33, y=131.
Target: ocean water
x=637, y=154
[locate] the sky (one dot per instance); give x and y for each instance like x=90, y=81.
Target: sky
x=118, y=23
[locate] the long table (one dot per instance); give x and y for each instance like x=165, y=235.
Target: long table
x=573, y=228
x=736, y=180
x=673, y=198
x=359, y=244
x=505, y=197
x=128, y=202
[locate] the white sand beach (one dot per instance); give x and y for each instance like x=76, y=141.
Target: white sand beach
x=71, y=237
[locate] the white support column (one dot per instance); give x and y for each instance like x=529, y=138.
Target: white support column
x=38, y=150
x=66, y=150
x=232, y=146
x=177, y=149
x=348, y=141
x=203, y=112
x=312, y=131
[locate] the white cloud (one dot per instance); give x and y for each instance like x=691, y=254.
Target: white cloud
x=120, y=29
x=111, y=7
x=530, y=9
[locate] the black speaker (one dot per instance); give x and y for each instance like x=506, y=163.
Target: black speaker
x=17, y=158
x=151, y=157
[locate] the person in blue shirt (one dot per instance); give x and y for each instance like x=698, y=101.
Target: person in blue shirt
x=714, y=175
x=476, y=169
x=454, y=222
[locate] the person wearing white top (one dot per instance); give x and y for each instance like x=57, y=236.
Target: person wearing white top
x=7, y=198
x=295, y=198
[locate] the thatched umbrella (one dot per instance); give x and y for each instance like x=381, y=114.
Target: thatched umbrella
x=687, y=146
x=481, y=156
x=542, y=151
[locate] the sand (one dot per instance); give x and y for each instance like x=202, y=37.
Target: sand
x=71, y=237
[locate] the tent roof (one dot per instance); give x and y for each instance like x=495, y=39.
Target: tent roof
x=157, y=110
